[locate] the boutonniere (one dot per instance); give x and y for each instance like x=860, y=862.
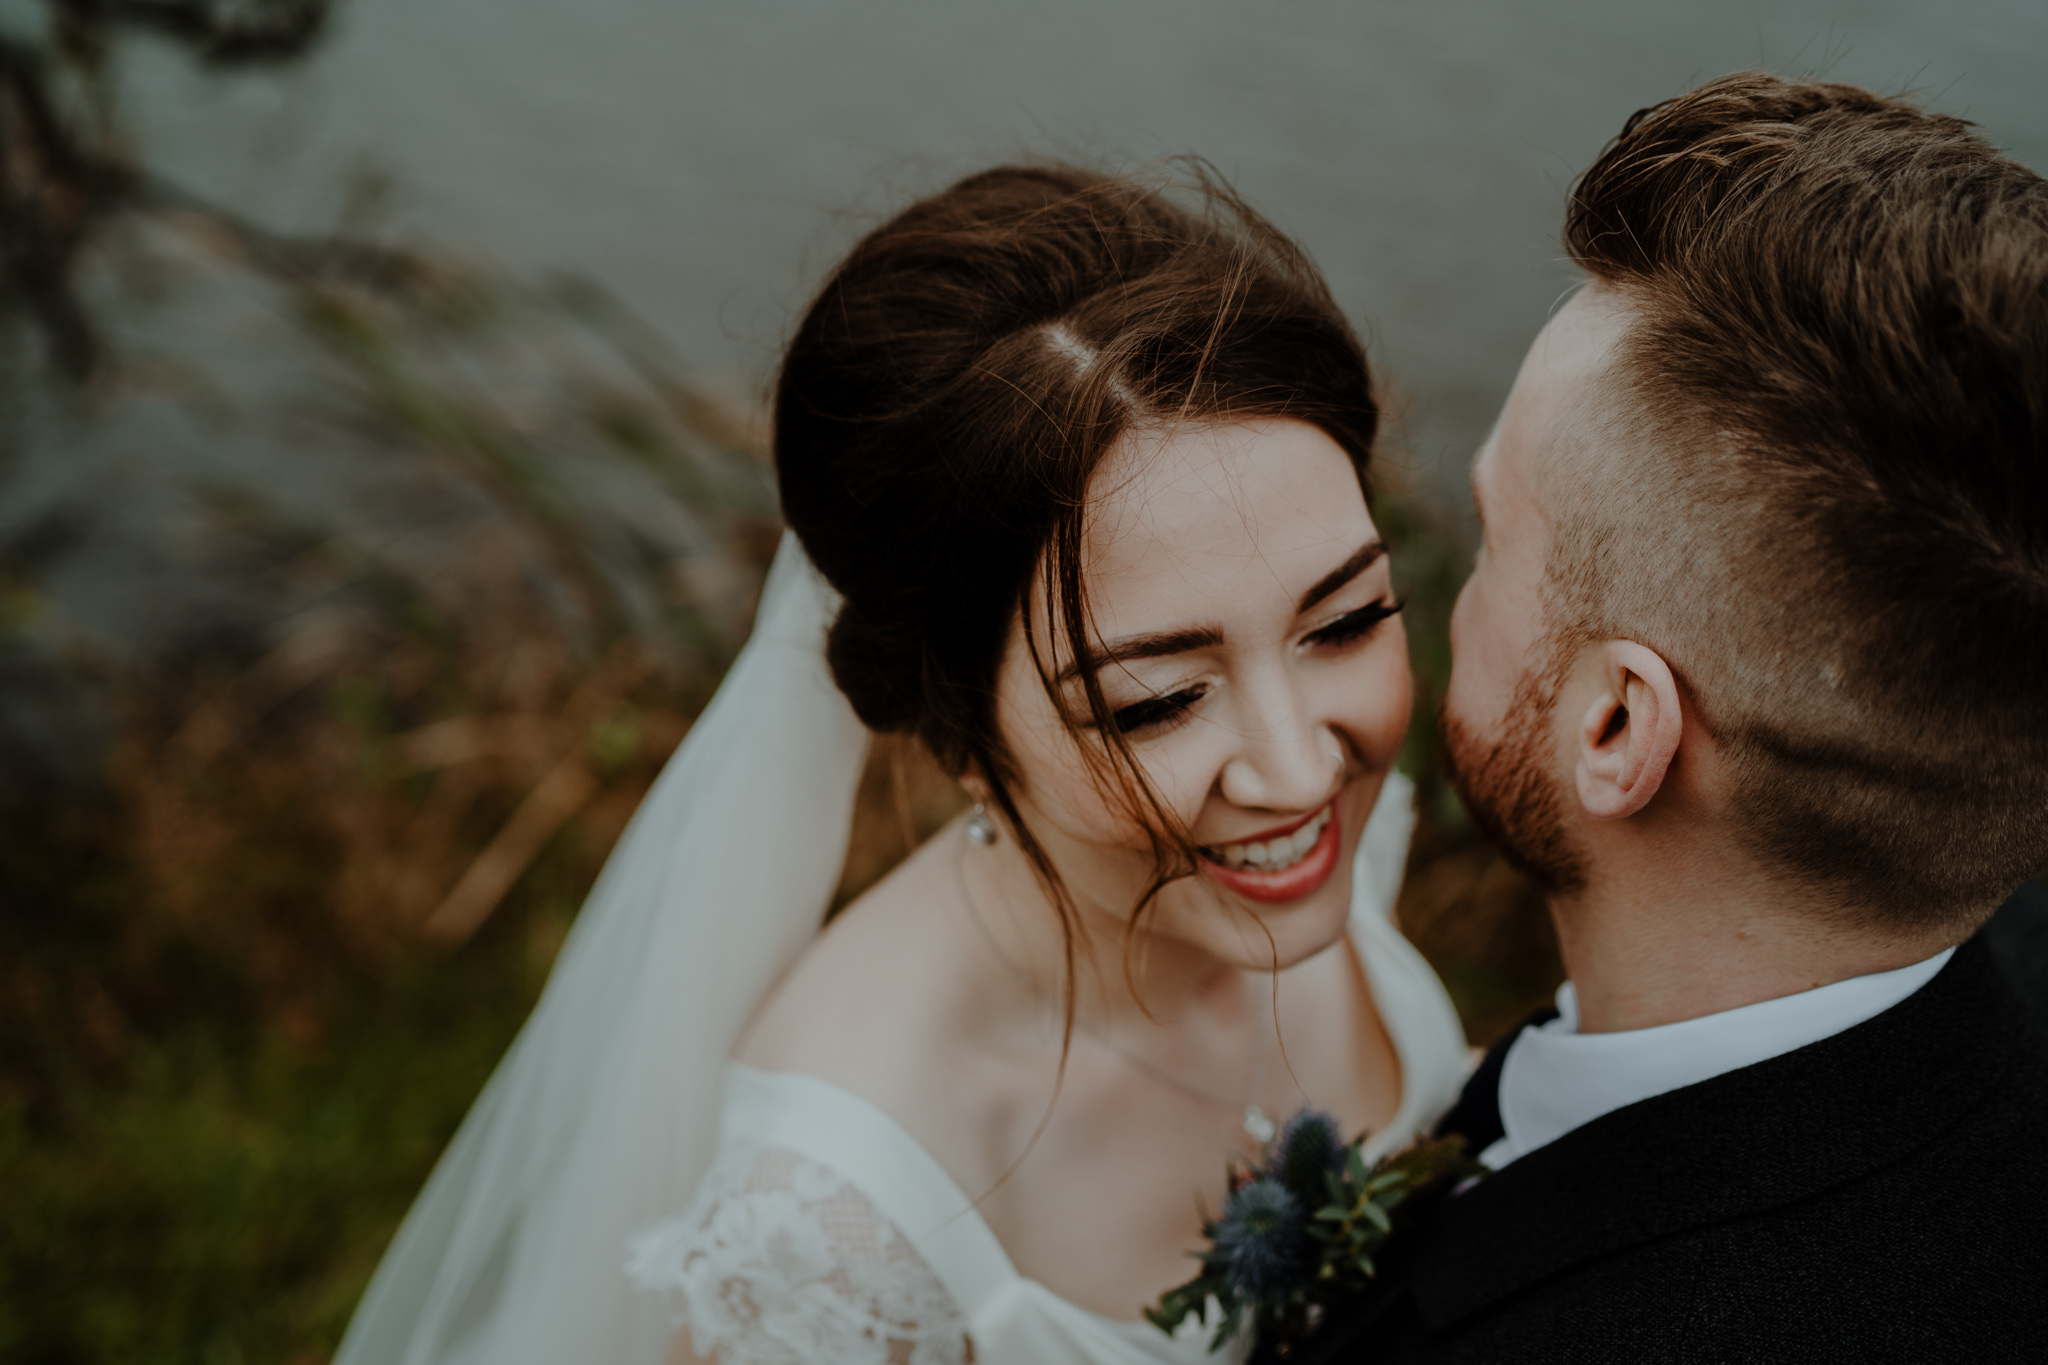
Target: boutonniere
x=1299, y=1230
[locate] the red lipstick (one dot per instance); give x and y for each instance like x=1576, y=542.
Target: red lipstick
x=1288, y=883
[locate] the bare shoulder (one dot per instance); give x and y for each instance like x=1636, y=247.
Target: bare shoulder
x=873, y=1002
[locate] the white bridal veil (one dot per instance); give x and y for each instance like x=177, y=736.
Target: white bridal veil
x=603, y=1115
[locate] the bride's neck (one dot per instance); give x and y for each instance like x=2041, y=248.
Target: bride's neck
x=1124, y=979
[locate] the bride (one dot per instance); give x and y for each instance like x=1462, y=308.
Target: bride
x=1075, y=471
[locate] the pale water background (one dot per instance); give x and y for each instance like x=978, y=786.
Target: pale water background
x=707, y=161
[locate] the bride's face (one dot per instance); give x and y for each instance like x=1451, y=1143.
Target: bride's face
x=1243, y=634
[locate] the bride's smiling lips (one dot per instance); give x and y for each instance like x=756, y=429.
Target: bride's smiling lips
x=1280, y=864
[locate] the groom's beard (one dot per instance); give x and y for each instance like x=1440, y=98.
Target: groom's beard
x=1512, y=798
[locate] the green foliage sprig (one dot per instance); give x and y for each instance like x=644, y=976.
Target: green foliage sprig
x=1300, y=1230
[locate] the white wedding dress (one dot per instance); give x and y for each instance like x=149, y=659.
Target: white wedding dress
x=824, y=1231
x=789, y=1219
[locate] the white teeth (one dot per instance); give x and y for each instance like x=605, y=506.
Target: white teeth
x=1274, y=854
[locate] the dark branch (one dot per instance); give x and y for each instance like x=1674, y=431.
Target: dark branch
x=62, y=173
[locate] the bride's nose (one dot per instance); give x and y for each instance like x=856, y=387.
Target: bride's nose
x=1287, y=760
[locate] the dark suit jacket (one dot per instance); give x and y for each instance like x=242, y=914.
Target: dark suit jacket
x=1878, y=1196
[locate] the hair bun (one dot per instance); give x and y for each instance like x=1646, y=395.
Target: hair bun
x=867, y=663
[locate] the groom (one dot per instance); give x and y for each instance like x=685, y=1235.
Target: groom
x=1752, y=677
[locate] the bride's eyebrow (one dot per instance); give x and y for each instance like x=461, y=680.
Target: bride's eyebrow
x=1159, y=644
x=1361, y=559
x=1154, y=646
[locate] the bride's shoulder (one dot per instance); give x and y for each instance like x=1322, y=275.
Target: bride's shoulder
x=876, y=995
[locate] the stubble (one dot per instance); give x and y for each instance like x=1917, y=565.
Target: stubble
x=1506, y=782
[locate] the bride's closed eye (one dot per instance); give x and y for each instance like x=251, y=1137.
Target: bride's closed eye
x=1354, y=626
x=1157, y=714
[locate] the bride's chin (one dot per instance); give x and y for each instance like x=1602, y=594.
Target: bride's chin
x=1298, y=931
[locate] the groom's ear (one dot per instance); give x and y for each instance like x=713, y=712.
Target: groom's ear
x=1630, y=732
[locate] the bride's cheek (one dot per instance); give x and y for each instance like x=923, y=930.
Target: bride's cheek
x=1375, y=697
x=1181, y=768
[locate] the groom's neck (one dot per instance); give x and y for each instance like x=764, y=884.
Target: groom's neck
x=1643, y=951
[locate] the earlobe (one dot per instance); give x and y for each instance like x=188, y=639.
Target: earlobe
x=1629, y=735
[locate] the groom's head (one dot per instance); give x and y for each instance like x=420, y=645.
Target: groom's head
x=1767, y=512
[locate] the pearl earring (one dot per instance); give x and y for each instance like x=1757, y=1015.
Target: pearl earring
x=981, y=831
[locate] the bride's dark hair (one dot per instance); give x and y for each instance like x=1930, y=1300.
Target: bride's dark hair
x=951, y=392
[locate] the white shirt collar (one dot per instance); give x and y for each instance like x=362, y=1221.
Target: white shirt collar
x=1555, y=1078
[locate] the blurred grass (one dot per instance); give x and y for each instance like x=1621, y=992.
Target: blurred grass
x=196, y=1173
x=230, y=1046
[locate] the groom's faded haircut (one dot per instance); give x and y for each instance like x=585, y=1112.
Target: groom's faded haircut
x=1818, y=477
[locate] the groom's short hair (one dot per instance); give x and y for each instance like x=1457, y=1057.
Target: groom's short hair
x=1815, y=478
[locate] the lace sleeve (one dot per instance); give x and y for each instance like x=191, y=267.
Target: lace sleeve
x=782, y=1261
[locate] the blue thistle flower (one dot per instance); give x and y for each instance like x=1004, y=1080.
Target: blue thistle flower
x=1261, y=1242
x=1309, y=1148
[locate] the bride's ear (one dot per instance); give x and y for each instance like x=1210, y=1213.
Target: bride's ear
x=1630, y=732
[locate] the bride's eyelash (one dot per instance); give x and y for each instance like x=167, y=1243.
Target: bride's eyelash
x=1354, y=626
x=1165, y=711
x=1155, y=713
